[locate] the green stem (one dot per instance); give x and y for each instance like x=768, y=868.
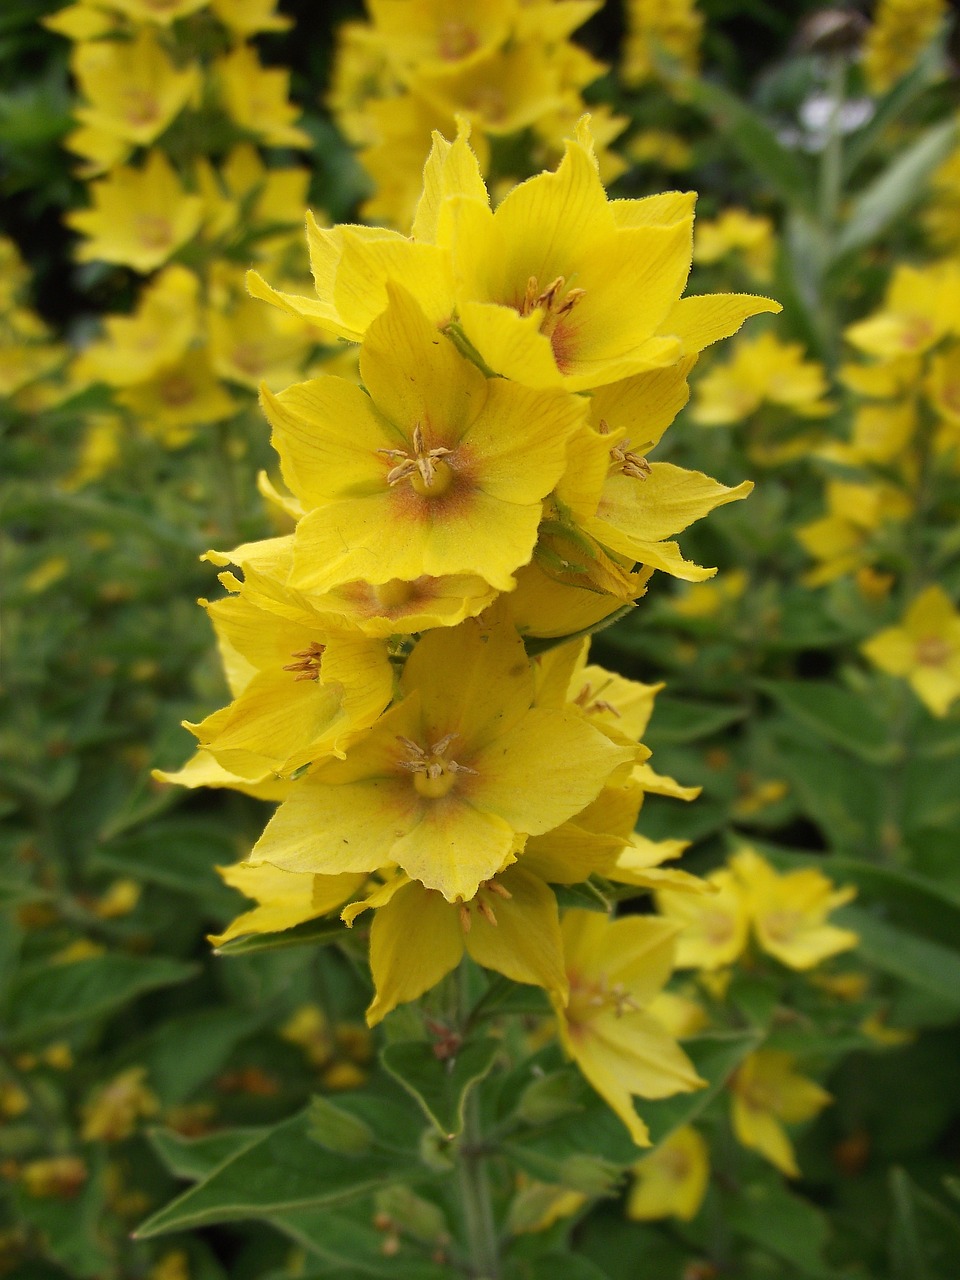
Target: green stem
x=480, y=1228
x=475, y=1200
x=831, y=167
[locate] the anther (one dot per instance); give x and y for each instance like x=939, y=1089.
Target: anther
x=630, y=462
x=308, y=667
x=465, y=920
x=486, y=911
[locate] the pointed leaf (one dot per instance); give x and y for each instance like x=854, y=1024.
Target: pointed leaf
x=837, y=714
x=897, y=189
x=440, y=1086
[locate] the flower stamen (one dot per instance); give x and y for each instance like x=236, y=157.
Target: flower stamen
x=555, y=301
x=423, y=467
x=308, y=666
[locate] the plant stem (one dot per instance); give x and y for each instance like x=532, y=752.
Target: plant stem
x=831, y=168
x=478, y=1220
x=480, y=1228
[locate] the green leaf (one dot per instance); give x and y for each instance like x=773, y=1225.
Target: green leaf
x=180, y=1054
x=716, y=1056
x=843, y=796
x=46, y=999
x=678, y=720
x=784, y=171
x=901, y=185
x=549, y=1266
x=789, y=1227
x=924, y=1239
x=926, y=71
x=350, y=1248
x=440, y=1086
x=837, y=714
x=904, y=955
x=314, y=933
x=337, y=1129
x=283, y=1170
x=196, y=1158
x=585, y=897
x=178, y=854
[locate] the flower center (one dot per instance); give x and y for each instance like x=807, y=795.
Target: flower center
x=455, y=40
x=433, y=774
x=393, y=594
x=153, y=231
x=589, y=998
x=426, y=469
x=932, y=651
x=177, y=390
x=555, y=301
x=308, y=661
x=140, y=106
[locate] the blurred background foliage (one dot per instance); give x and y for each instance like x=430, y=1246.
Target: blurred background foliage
x=132, y=1059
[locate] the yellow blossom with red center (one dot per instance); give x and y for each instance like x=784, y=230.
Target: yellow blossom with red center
x=441, y=785
x=923, y=649
x=614, y=970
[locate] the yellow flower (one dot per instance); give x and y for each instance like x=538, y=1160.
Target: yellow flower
x=114, y=1109
x=841, y=539
x=426, y=34
x=788, y=911
x=510, y=924
x=256, y=98
x=140, y=217
x=943, y=384
x=714, y=928
x=765, y=1092
x=99, y=451
x=302, y=692
x=924, y=649
x=562, y=287
x=546, y=288
x=250, y=348
x=248, y=17
x=896, y=38
x=672, y=1180
x=452, y=780
x=669, y=150
x=155, y=336
x=82, y=21
x=762, y=369
x=60, y=1177
x=163, y=12
x=736, y=231
x=277, y=194
x=706, y=599
x=615, y=969
x=656, y=27
x=385, y=609
x=285, y=898
x=178, y=398
x=922, y=305
x=881, y=434
x=134, y=90
x=436, y=471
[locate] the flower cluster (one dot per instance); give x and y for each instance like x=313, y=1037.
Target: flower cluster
x=899, y=32
x=28, y=355
x=904, y=442
x=507, y=66
x=170, y=141
x=660, y=29
x=407, y=667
